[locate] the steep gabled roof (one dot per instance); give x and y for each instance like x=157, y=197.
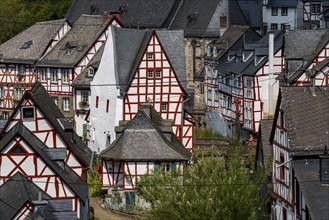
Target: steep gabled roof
x=130, y=46
x=252, y=11
x=306, y=118
x=316, y=195
x=51, y=111
x=71, y=48
x=68, y=176
x=29, y=45
x=15, y=193
x=135, y=13
x=194, y=17
x=146, y=137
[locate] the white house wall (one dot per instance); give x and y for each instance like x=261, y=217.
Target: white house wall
x=102, y=123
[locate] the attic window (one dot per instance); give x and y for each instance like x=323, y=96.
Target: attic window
x=258, y=59
x=27, y=45
x=164, y=106
x=70, y=47
x=17, y=150
x=246, y=55
x=149, y=56
x=28, y=113
x=91, y=71
x=191, y=18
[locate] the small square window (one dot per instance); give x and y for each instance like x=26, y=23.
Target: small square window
x=149, y=56
x=158, y=73
x=28, y=112
x=164, y=106
x=150, y=73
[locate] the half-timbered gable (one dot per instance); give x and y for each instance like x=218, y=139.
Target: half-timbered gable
x=143, y=143
x=306, y=54
x=146, y=66
x=18, y=56
x=299, y=136
x=312, y=10
x=41, y=116
x=21, y=198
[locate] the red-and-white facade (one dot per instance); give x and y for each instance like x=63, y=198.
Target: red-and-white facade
x=155, y=81
x=321, y=74
x=311, y=11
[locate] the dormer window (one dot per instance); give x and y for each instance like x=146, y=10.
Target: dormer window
x=259, y=59
x=191, y=18
x=230, y=56
x=28, y=113
x=246, y=55
x=91, y=71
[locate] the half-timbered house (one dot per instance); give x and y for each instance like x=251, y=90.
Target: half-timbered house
x=143, y=143
x=307, y=53
x=299, y=140
x=18, y=57
x=38, y=142
x=64, y=62
x=139, y=66
x=247, y=90
x=312, y=11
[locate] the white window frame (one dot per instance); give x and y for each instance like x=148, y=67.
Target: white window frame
x=66, y=104
x=53, y=75
x=65, y=75
x=43, y=74
x=164, y=106
x=284, y=11
x=274, y=11
x=18, y=93
x=150, y=56
x=158, y=73
x=150, y=73
x=55, y=99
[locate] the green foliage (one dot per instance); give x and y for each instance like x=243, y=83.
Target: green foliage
x=95, y=179
x=206, y=133
x=211, y=188
x=17, y=15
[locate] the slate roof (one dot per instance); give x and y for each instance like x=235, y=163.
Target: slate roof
x=136, y=13
x=252, y=11
x=306, y=117
x=44, y=102
x=315, y=194
x=19, y=190
x=71, y=179
x=282, y=3
x=79, y=39
x=146, y=137
x=235, y=13
x=259, y=48
x=130, y=45
x=230, y=37
x=15, y=192
x=29, y=45
x=194, y=17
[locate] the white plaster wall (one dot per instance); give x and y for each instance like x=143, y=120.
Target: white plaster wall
x=290, y=19
x=103, y=123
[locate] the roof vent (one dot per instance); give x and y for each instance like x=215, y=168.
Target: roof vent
x=191, y=18
x=27, y=45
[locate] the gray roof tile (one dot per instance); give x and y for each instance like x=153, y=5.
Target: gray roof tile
x=307, y=117
x=146, y=137
x=36, y=39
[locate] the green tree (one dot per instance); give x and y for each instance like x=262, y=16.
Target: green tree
x=17, y=15
x=211, y=188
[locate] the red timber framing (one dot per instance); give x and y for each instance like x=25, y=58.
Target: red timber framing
x=19, y=157
x=283, y=183
x=155, y=81
x=95, y=47
x=41, y=127
x=322, y=75
x=312, y=10
x=124, y=175
x=14, y=80
x=23, y=213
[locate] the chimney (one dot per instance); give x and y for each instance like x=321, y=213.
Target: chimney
x=271, y=79
x=324, y=167
x=105, y=17
x=271, y=52
x=146, y=108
